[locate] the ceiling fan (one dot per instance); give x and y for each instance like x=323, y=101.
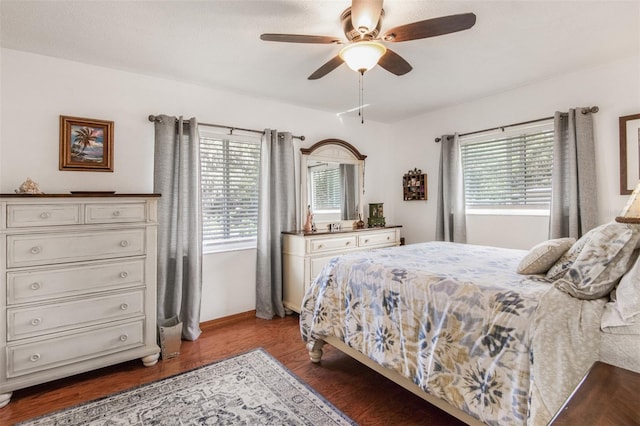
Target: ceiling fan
x=364, y=47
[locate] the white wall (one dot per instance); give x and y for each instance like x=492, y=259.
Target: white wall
x=37, y=89
x=613, y=87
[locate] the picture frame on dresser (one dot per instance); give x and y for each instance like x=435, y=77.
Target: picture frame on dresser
x=86, y=144
x=629, y=126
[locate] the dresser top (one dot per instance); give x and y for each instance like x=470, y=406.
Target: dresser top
x=342, y=231
x=78, y=194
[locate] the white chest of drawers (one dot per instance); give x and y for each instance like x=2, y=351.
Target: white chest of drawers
x=78, y=278
x=304, y=255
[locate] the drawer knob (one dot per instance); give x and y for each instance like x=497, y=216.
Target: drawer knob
x=320, y=246
x=123, y=337
x=388, y=238
x=35, y=286
x=116, y=213
x=366, y=241
x=347, y=243
x=124, y=307
x=36, y=321
x=124, y=274
x=34, y=357
x=45, y=215
x=35, y=250
x=124, y=243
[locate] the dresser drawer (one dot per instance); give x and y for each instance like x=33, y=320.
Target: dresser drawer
x=22, y=216
x=332, y=244
x=67, y=349
x=115, y=213
x=42, y=249
x=317, y=263
x=47, y=283
x=377, y=239
x=38, y=320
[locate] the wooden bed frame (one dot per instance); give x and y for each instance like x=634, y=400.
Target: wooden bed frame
x=315, y=354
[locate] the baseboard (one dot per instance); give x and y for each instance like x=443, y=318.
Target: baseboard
x=227, y=320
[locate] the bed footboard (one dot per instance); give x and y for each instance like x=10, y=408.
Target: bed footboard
x=315, y=353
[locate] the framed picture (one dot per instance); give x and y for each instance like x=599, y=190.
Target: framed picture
x=629, y=153
x=86, y=144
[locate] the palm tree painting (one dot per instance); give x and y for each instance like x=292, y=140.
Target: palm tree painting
x=86, y=144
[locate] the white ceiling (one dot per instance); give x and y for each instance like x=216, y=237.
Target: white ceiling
x=216, y=44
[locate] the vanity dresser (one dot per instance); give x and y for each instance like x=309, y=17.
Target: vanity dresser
x=305, y=254
x=78, y=275
x=332, y=188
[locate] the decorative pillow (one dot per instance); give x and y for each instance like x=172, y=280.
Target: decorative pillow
x=604, y=258
x=542, y=256
x=566, y=260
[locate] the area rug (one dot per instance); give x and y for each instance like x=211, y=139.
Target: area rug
x=248, y=389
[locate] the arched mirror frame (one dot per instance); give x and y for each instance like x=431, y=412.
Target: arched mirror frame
x=333, y=151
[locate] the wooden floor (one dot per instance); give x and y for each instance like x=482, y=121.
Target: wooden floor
x=365, y=396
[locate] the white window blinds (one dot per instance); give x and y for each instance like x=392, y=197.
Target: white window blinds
x=229, y=175
x=326, y=189
x=510, y=169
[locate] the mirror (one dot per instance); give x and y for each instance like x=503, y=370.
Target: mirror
x=332, y=180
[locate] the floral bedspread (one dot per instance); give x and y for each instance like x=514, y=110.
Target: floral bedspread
x=455, y=319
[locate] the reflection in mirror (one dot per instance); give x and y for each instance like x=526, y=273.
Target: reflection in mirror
x=333, y=190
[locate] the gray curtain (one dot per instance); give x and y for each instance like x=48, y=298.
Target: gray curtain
x=277, y=212
x=574, y=204
x=348, y=176
x=177, y=178
x=451, y=220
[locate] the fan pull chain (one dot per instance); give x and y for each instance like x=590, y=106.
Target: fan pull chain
x=361, y=95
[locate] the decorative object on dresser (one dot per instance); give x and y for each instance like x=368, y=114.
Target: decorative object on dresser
x=86, y=144
x=28, y=187
x=80, y=280
x=629, y=128
x=414, y=185
x=304, y=255
x=376, y=215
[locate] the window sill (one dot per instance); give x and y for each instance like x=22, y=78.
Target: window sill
x=507, y=212
x=228, y=248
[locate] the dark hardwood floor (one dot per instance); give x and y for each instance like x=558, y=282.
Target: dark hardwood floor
x=365, y=396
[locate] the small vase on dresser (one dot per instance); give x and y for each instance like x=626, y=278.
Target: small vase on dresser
x=78, y=275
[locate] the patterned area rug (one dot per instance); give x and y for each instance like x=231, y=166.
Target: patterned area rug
x=248, y=389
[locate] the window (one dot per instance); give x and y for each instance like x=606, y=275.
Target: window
x=510, y=170
x=229, y=175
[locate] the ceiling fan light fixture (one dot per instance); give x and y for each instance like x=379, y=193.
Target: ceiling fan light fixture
x=363, y=55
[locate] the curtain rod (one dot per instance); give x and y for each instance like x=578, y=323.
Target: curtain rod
x=588, y=110
x=154, y=118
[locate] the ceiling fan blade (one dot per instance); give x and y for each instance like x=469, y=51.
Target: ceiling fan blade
x=300, y=38
x=365, y=14
x=431, y=27
x=331, y=65
x=394, y=63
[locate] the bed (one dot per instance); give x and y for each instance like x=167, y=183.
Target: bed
x=459, y=326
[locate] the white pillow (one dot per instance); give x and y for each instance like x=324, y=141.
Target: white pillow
x=543, y=256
